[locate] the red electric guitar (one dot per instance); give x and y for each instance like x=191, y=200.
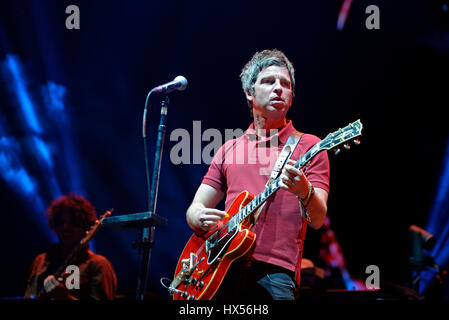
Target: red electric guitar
x=207, y=256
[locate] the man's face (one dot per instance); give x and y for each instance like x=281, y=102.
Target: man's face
x=273, y=93
x=68, y=232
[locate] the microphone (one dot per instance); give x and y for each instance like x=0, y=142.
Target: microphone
x=180, y=83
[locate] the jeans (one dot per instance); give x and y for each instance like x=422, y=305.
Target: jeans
x=258, y=281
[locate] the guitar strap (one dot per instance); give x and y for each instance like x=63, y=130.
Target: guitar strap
x=285, y=154
x=282, y=159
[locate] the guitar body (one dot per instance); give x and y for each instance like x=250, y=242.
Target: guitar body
x=204, y=280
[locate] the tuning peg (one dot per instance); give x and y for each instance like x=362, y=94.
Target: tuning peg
x=337, y=151
x=356, y=142
x=346, y=146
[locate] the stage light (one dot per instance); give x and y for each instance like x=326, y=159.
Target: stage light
x=439, y=214
x=22, y=183
x=343, y=14
x=40, y=132
x=420, y=240
x=427, y=239
x=17, y=84
x=427, y=276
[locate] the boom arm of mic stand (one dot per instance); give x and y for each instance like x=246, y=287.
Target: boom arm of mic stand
x=158, y=156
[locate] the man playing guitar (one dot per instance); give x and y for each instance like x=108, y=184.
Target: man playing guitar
x=74, y=219
x=271, y=268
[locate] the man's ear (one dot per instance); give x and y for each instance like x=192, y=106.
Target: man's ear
x=249, y=96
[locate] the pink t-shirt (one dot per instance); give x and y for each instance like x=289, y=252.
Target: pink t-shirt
x=246, y=163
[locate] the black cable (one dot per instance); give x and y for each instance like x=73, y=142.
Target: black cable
x=145, y=144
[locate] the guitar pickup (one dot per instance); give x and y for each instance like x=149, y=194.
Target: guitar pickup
x=188, y=265
x=192, y=260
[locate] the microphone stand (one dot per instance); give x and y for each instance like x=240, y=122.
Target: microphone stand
x=146, y=221
x=147, y=233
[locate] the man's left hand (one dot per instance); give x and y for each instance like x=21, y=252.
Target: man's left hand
x=294, y=180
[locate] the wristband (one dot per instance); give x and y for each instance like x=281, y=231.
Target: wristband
x=305, y=201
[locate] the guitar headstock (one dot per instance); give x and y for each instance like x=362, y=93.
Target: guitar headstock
x=95, y=227
x=351, y=132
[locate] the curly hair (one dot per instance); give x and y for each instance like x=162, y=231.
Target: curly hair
x=260, y=61
x=82, y=212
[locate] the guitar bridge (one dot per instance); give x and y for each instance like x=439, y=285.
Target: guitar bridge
x=185, y=275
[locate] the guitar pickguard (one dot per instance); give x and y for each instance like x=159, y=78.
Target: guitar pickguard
x=216, y=245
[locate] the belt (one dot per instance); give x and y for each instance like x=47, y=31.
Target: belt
x=264, y=267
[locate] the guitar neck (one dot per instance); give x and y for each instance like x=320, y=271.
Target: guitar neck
x=69, y=260
x=260, y=199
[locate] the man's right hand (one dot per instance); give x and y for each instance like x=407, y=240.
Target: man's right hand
x=209, y=218
x=56, y=290
x=201, y=215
